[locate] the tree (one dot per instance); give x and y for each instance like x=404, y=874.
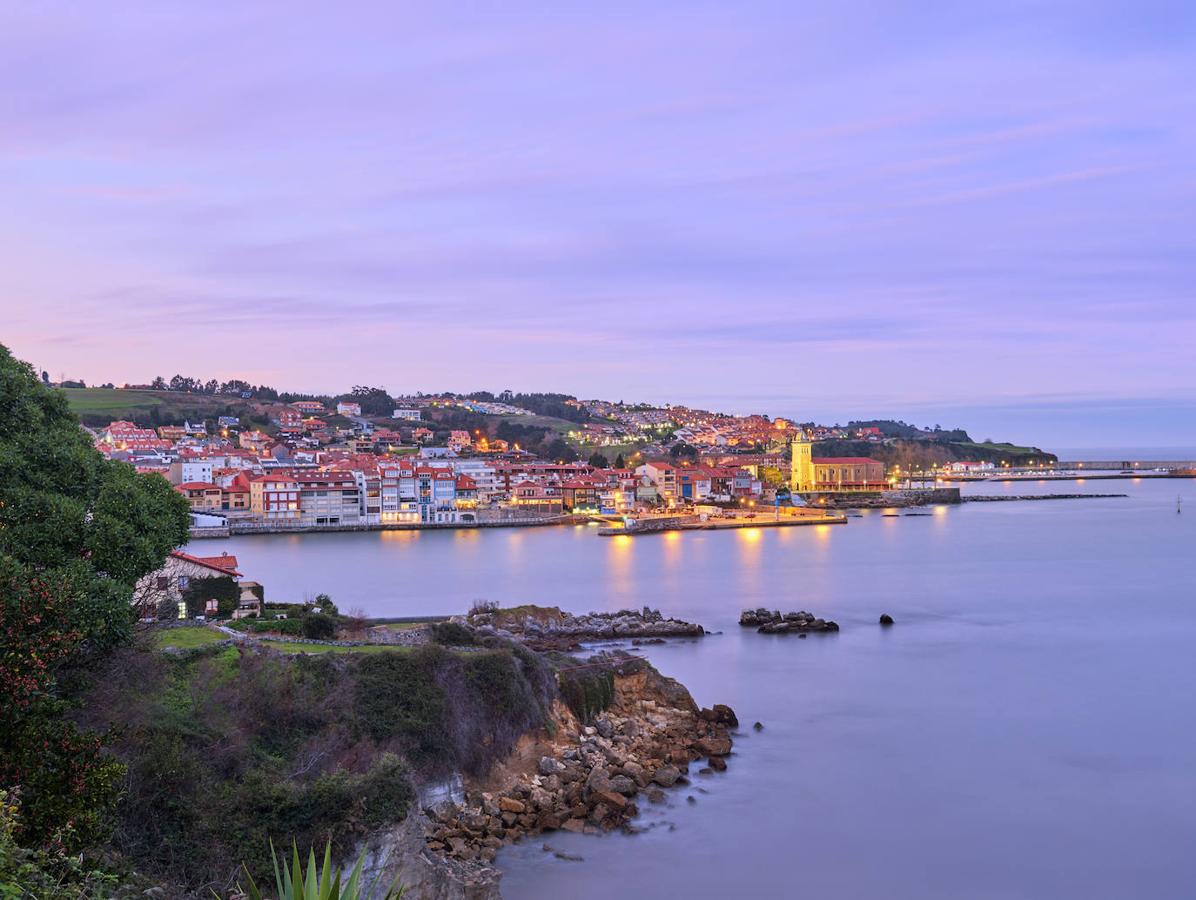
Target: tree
x=374, y=401
x=158, y=384
x=319, y=627
x=620, y=463
x=559, y=450
x=682, y=449
x=76, y=533
x=598, y=461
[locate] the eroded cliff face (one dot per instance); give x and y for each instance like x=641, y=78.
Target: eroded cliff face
x=587, y=778
x=401, y=853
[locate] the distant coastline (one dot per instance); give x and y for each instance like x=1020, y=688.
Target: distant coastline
x=1132, y=454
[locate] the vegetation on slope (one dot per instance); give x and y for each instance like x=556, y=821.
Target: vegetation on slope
x=228, y=748
x=923, y=454
x=76, y=533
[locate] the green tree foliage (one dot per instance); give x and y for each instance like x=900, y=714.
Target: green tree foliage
x=76, y=533
x=559, y=450
x=598, y=461
x=374, y=401
x=319, y=627
x=682, y=450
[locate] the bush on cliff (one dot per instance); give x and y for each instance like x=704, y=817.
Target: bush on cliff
x=229, y=748
x=77, y=531
x=586, y=691
x=451, y=634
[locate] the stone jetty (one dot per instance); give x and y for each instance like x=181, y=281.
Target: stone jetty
x=768, y=621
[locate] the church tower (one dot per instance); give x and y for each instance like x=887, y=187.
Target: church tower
x=802, y=466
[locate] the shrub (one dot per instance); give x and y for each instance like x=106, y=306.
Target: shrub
x=396, y=696
x=319, y=883
x=452, y=634
x=319, y=627
x=587, y=692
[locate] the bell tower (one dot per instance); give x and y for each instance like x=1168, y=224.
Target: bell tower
x=801, y=473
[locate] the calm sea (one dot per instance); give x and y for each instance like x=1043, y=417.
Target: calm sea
x=1027, y=729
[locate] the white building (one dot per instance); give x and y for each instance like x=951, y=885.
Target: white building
x=483, y=475
x=183, y=471
x=412, y=415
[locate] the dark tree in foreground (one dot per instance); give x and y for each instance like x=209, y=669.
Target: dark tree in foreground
x=76, y=533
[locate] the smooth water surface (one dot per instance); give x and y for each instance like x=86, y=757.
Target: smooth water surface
x=1026, y=729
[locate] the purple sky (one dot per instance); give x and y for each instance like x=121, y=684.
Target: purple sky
x=971, y=216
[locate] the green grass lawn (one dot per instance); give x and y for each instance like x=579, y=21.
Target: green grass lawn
x=188, y=637
x=561, y=426
x=104, y=399
x=100, y=405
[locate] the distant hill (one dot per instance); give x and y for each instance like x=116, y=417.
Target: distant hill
x=99, y=406
x=925, y=453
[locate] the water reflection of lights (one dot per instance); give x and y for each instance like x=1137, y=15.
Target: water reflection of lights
x=405, y=537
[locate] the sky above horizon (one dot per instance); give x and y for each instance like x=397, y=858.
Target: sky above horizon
x=980, y=215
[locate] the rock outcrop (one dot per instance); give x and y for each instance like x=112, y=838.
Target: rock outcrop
x=773, y=622
x=548, y=627
x=587, y=778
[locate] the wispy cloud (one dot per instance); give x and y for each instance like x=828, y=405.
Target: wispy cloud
x=886, y=204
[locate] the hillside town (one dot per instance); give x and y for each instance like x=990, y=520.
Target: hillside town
x=346, y=463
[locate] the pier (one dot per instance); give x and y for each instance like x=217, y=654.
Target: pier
x=787, y=518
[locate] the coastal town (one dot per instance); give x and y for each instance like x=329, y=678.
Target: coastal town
x=347, y=463
x=254, y=461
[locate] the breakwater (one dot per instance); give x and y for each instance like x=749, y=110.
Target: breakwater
x=1000, y=498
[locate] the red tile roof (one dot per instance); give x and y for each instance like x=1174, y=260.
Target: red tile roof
x=224, y=564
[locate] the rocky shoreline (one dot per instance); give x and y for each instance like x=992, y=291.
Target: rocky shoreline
x=548, y=628
x=774, y=622
x=576, y=777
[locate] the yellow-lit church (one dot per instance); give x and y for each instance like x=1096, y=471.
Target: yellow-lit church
x=832, y=474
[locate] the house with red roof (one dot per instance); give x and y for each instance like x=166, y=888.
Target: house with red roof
x=164, y=588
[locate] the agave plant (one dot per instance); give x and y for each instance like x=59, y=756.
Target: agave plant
x=318, y=884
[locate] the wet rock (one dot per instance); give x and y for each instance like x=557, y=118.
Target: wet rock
x=621, y=784
x=720, y=714
x=758, y=726
x=886, y=619
x=666, y=776
x=717, y=763
x=799, y=622
x=510, y=805
x=713, y=746
x=611, y=799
